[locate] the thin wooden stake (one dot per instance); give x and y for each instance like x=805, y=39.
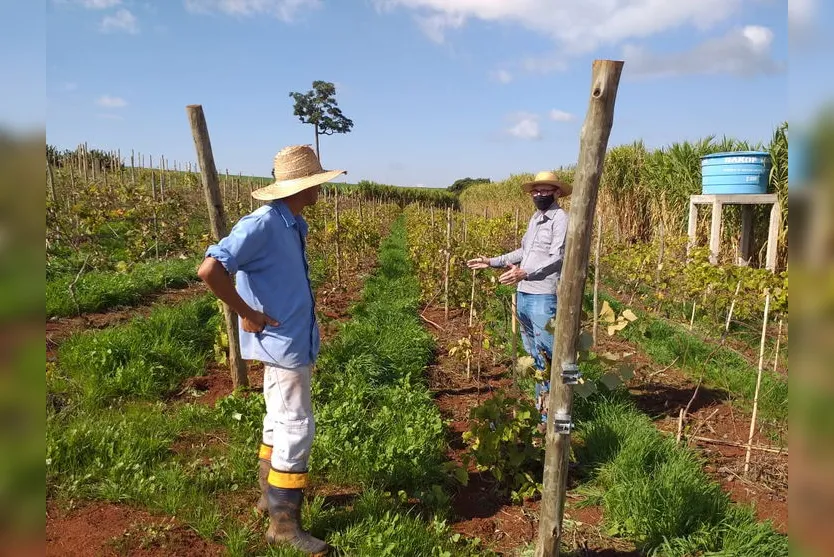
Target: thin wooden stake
x=448, y=261
x=692, y=319
x=514, y=328
x=217, y=217
x=596, y=277
x=758, y=387
x=593, y=145
x=50, y=181
x=778, y=342
x=472, y=301
x=732, y=307
x=338, y=242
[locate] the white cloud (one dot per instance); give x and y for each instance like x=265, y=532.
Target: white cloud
x=576, y=27
x=123, y=21
x=285, y=10
x=524, y=126
x=741, y=52
x=111, y=102
x=99, y=4
x=561, y=116
x=501, y=76
x=801, y=19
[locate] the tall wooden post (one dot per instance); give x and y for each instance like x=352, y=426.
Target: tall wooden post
x=217, y=217
x=593, y=144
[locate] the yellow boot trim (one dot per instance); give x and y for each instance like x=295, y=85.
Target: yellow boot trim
x=288, y=480
x=265, y=452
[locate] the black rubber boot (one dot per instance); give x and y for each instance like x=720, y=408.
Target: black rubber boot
x=263, y=474
x=285, y=522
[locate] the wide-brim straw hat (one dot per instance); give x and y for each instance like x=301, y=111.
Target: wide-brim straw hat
x=550, y=179
x=296, y=168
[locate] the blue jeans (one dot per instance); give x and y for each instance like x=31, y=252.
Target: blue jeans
x=534, y=311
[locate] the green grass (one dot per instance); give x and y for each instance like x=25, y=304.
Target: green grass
x=376, y=421
x=670, y=344
x=145, y=359
x=100, y=290
x=656, y=493
x=377, y=428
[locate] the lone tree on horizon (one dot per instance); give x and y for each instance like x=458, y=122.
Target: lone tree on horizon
x=318, y=107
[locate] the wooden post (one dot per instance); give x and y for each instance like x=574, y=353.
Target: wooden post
x=448, y=261
x=596, y=276
x=693, y=227
x=773, y=236
x=162, y=179
x=132, y=169
x=715, y=232
x=338, y=243
x=514, y=328
x=217, y=217
x=50, y=180
x=732, y=307
x=251, y=199
x=758, y=387
x=472, y=301
x=593, y=144
x=745, y=244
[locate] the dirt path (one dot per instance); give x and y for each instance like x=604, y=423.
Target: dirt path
x=107, y=529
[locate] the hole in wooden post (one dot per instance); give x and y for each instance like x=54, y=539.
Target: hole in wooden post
x=597, y=92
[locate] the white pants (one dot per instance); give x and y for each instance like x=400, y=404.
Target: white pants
x=288, y=425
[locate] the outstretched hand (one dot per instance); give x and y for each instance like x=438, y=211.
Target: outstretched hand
x=513, y=276
x=478, y=263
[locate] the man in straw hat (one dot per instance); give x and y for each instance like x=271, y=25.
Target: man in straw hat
x=266, y=253
x=536, y=267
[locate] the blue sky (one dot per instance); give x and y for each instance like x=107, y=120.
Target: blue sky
x=437, y=89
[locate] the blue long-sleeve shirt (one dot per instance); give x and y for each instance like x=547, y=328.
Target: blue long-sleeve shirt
x=266, y=253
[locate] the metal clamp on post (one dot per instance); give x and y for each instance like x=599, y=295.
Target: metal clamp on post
x=562, y=423
x=570, y=374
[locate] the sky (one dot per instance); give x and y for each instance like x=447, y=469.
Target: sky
x=437, y=89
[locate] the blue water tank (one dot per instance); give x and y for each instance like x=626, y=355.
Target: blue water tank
x=745, y=172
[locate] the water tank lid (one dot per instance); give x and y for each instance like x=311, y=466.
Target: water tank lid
x=736, y=154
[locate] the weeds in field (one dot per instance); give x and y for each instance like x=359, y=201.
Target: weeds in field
x=146, y=359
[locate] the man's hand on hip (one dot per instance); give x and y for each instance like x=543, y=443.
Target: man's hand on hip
x=257, y=322
x=513, y=276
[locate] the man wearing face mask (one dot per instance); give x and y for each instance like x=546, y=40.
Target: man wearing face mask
x=536, y=268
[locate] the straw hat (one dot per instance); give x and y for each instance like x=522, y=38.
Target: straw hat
x=548, y=178
x=296, y=168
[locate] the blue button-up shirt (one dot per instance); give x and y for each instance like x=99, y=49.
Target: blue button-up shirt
x=266, y=253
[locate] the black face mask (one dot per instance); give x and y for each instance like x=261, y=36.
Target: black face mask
x=543, y=202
